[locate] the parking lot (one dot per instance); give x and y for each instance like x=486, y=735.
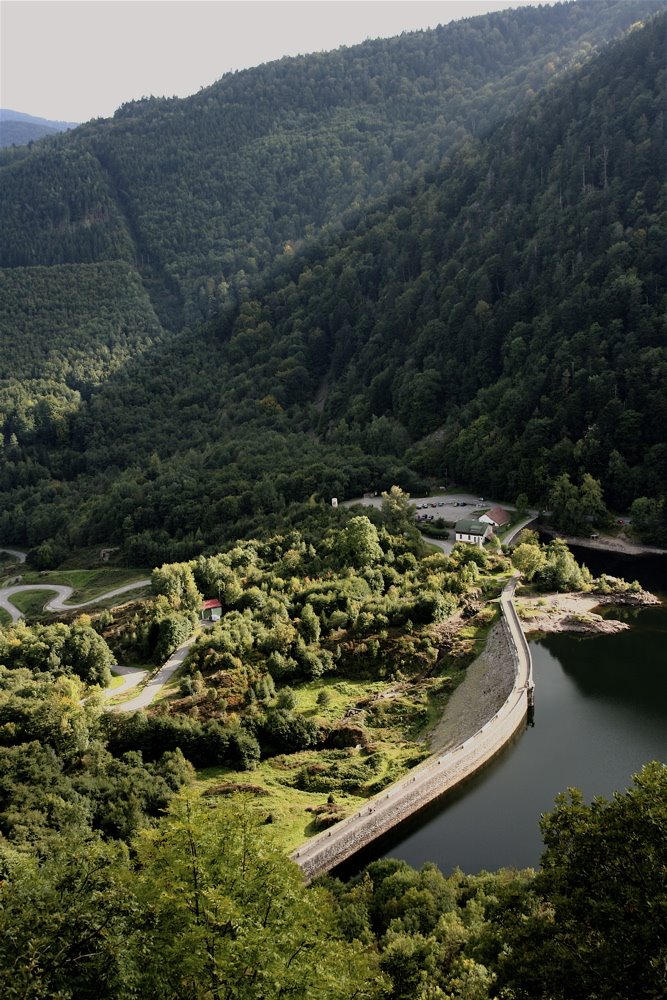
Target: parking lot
x=450, y=509
x=448, y=506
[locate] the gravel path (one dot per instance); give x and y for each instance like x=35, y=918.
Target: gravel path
x=157, y=682
x=132, y=676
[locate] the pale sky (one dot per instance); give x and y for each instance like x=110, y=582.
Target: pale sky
x=72, y=60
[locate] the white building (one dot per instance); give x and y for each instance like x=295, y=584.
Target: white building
x=473, y=531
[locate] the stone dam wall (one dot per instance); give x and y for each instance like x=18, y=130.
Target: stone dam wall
x=437, y=775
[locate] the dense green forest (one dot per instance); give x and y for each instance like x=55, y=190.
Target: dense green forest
x=204, y=192
x=512, y=303
x=498, y=321
x=123, y=875
x=205, y=906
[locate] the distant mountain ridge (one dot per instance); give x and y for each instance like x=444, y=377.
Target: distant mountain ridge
x=18, y=128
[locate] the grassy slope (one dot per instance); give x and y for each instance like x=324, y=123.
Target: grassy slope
x=401, y=716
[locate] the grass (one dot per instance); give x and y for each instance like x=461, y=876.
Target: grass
x=396, y=716
x=172, y=689
x=116, y=682
x=291, y=824
x=31, y=602
x=86, y=583
x=5, y=618
x=525, y=613
x=132, y=595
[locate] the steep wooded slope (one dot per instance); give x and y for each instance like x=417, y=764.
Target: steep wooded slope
x=513, y=303
x=198, y=197
x=499, y=317
x=203, y=193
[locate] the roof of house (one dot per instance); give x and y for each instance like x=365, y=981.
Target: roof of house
x=471, y=527
x=499, y=515
x=213, y=603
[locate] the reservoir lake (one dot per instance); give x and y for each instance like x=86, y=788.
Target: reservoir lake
x=600, y=715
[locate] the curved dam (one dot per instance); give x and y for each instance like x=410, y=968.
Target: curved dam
x=437, y=775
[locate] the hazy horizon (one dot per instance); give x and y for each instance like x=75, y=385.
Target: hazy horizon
x=72, y=61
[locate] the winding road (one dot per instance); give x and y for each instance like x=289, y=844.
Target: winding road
x=132, y=676
x=435, y=776
x=19, y=556
x=158, y=681
x=62, y=593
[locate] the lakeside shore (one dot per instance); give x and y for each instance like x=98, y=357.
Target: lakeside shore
x=575, y=611
x=607, y=543
x=489, y=677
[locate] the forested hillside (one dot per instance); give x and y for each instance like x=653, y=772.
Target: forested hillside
x=210, y=189
x=512, y=303
x=498, y=317
x=127, y=874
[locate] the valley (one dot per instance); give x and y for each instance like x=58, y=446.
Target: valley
x=267, y=353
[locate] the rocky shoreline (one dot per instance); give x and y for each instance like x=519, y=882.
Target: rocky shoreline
x=574, y=612
x=489, y=678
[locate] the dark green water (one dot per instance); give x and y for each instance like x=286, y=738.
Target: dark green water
x=600, y=714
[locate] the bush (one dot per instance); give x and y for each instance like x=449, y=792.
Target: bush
x=286, y=698
x=282, y=731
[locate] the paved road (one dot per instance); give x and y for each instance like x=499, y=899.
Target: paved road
x=519, y=527
x=132, y=676
x=451, y=507
x=19, y=556
x=158, y=681
x=435, y=776
x=452, y=504
x=62, y=593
